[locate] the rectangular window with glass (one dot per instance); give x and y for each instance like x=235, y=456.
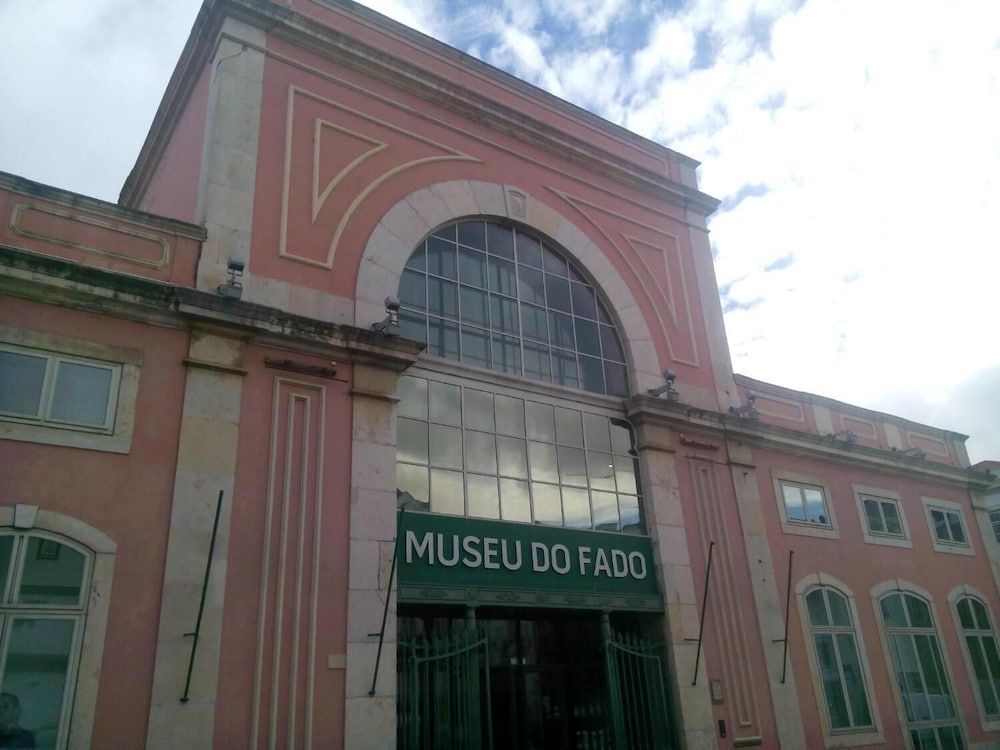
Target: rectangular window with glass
x=805, y=503
x=463, y=450
x=995, y=524
x=882, y=516
x=57, y=390
x=947, y=526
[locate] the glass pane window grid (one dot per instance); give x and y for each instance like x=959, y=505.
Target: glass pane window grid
x=805, y=503
x=984, y=655
x=948, y=526
x=841, y=674
x=882, y=516
x=465, y=451
x=924, y=685
x=57, y=390
x=45, y=587
x=521, y=308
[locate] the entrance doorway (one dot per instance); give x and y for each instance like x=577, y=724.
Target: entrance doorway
x=529, y=679
x=547, y=683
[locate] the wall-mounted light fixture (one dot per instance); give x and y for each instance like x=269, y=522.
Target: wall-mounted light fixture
x=232, y=287
x=391, y=318
x=667, y=389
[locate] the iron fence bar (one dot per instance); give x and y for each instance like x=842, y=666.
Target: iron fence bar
x=201, y=605
x=385, y=610
x=704, y=604
x=788, y=599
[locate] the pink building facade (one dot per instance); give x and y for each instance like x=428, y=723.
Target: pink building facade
x=350, y=425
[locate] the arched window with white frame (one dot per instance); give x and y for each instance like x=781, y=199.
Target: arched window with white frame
x=921, y=674
x=46, y=585
x=837, y=657
x=981, y=651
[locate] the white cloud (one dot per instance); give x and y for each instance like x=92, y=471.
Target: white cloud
x=866, y=130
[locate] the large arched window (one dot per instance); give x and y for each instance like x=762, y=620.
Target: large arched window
x=499, y=297
x=981, y=649
x=921, y=676
x=45, y=589
x=838, y=660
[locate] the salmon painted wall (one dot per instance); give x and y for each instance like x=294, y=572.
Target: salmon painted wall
x=292, y=490
x=127, y=497
x=861, y=566
x=94, y=233
x=173, y=188
x=352, y=136
x=451, y=64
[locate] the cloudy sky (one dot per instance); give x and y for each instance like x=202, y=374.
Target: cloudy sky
x=855, y=145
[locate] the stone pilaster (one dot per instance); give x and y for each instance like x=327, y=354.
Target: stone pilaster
x=768, y=594
x=229, y=159
x=206, y=464
x=370, y=720
x=665, y=523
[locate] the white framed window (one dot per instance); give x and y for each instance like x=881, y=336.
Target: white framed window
x=922, y=681
x=57, y=390
x=839, y=663
x=804, y=505
x=63, y=391
x=982, y=655
x=995, y=524
x=883, y=520
x=947, y=526
x=44, y=592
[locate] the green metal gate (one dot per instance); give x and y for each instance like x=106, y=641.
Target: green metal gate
x=637, y=693
x=444, y=692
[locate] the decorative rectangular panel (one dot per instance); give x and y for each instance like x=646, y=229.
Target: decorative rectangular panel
x=286, y=628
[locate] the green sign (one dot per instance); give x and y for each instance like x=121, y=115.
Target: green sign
x=469, y=561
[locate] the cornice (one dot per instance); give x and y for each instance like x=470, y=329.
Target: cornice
x=41, y=278
x=332, y=44
x=23, y=186
x=761, y=386
x=756, y=434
